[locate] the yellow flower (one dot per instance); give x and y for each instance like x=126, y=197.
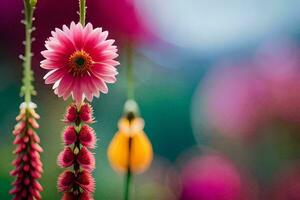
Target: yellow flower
x=130, y=148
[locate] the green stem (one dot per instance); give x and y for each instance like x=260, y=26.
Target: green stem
x=127, y=185
x=27, y=89
x=130, y=74
x=128, y=174
x=82, y=11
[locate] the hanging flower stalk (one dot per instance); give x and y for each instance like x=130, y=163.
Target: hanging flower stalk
x=130, y=151
x=80, y=61
x=28, y=166
x=78, y=138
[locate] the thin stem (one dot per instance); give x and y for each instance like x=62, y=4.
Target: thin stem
x=27, y=89
x=76, y=149
x=127, y=185
x=82, y=11
x=128, y=174
x=130, y=74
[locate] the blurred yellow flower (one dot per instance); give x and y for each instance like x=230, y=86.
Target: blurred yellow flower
x=130, y=149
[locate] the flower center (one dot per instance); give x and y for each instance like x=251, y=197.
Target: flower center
x=80, y=63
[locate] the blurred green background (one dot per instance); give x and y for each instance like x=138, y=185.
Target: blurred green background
x=174, y=62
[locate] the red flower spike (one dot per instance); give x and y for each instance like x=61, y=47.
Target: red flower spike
x=78, y=137
x=87, y=137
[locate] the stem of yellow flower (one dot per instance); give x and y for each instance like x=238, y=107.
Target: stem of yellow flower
x=128, y=174
x=27, y=88
x=130, y=74
x=82, y=11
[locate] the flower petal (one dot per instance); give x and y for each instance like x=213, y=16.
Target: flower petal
x=54, y=75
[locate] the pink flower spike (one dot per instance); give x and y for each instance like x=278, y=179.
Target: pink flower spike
x=28, y=166
x=86, y=159
x=87, y=136
x=69, y=135
x=66, y=157
x=78, y=57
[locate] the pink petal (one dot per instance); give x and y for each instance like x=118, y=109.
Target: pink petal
x=93, y=39
x=65, y=84
x=77, y=35
x=64, y=39
x=104, y=69
x=55, y=76
x=77, y=90
x=100, y=84
x=104, y=55
x=50, y=64
x=68, y=92
x=109, y=79
x=86, y=89
x=93, y=88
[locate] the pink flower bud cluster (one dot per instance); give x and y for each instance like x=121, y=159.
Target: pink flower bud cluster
x=78, y=137
x=28, y=166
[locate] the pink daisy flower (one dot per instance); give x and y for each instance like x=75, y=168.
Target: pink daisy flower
x=80, y=61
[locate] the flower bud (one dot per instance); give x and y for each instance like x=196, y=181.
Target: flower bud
x=86, y=113
x=86, y=181
x=86, y=159
x=66, y=181
x=33, y=2
x=69, y=135
x=87, y=136
x=71, y=114
x=130, y=148
x=66, y=158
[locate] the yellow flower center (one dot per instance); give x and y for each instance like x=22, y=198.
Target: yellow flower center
x=80, y=63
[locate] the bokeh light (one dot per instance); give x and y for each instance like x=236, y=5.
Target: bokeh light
x=219, y=77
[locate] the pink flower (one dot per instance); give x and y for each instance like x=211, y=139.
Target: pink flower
x=86, y=181
x=86, y=113
x=66, y=157
x=71, y=114
x=87, y=137
x=126, y=24
x=83, y=112
x=66, y=181
x=213, y=177
x=69, y=135
x=234, y=100
x=86, y=159
x=80, y=61
x=243, y=98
